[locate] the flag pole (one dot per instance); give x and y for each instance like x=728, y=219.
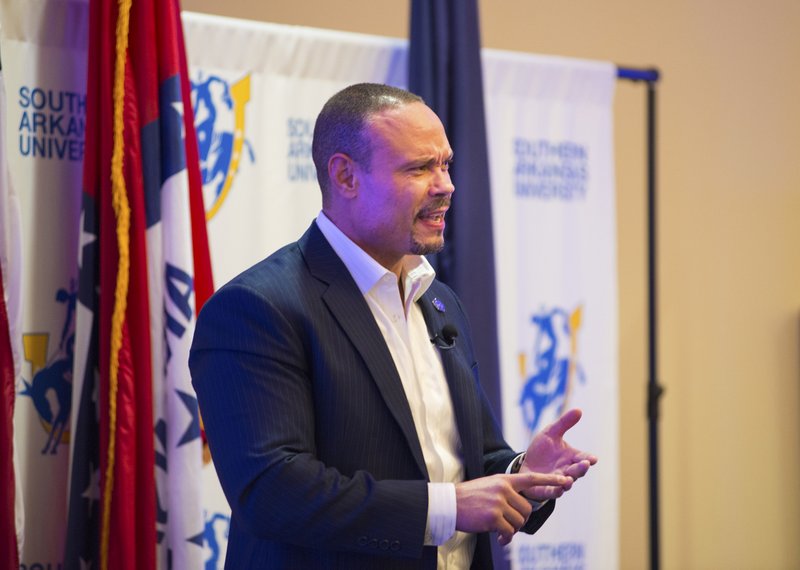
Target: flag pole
x=655, y=390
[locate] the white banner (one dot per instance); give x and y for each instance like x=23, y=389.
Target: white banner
x=44, y=64
x=256, y=90
x=551, y=162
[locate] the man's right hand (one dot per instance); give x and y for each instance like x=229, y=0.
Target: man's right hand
x=495, y=503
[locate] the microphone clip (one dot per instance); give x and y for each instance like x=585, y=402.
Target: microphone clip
x=446, y=339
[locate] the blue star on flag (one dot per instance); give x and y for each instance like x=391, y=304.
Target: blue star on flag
x=193, y=430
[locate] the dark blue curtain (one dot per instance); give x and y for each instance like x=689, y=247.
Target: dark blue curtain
x=445, y=70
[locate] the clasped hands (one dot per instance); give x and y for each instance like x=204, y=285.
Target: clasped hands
x=499, y=503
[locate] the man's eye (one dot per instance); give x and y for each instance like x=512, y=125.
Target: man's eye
x=431, y=166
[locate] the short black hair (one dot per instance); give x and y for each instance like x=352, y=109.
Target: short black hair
x=340, y=124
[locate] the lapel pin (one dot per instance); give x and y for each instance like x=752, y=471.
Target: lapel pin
x=438, y=304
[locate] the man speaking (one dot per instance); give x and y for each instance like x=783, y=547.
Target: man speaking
x=337, y=380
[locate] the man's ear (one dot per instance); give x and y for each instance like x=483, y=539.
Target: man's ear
x=342, y=174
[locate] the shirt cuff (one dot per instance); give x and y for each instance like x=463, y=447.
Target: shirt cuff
x=441, y=513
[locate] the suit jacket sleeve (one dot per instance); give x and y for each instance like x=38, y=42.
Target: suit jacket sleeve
x=494, y=454
x=251, y=366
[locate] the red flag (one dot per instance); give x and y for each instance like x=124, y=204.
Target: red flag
x=134, y=154
x=126, y=449
x=203, y=276
x=8, y=530
x=127, y=483
x=10, y=336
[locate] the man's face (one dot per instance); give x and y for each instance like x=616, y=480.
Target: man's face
x=404, y=193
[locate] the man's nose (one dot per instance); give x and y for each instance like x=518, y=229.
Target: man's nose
x=442, y=183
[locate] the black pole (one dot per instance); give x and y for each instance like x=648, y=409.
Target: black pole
x=654, y=389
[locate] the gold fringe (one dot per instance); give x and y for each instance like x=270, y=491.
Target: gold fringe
x=119, y=200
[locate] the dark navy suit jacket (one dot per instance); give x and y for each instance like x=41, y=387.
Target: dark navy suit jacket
x=308, y=424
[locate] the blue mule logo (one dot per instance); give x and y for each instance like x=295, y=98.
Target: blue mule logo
x=554, y=365
x=215, y=537
x=51, y=387
x=219, y=119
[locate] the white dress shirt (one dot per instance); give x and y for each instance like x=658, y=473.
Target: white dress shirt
x=419, y=365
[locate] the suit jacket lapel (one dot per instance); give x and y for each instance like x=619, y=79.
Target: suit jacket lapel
x=458, y=372
x=351, y=311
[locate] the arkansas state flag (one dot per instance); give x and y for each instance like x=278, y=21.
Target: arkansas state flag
x=135, y=495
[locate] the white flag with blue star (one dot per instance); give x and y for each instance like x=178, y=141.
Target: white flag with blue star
x=172, y=312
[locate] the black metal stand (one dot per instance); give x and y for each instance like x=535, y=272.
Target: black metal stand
x=654, y=389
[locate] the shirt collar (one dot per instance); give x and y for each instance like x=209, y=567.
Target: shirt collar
x=417, y=271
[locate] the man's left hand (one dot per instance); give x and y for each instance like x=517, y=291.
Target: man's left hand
x=549, y=453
